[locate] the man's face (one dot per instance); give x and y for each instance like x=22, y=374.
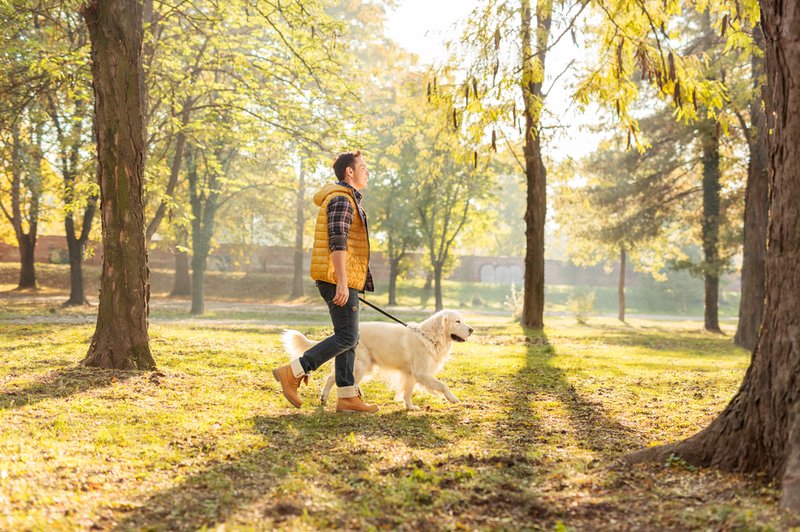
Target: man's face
x=360, y=174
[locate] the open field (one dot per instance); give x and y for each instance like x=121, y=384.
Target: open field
x=208, y=439
x=255, y=287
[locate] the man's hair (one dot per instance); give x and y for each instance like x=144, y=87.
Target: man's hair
x=345, y=160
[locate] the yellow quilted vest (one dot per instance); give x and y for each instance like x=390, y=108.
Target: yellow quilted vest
x=357, y=261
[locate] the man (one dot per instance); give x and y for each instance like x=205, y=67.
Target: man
x=340, y=267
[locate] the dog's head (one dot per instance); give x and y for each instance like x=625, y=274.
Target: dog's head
x=451, y=324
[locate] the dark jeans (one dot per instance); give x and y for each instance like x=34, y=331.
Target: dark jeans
x=343, y=342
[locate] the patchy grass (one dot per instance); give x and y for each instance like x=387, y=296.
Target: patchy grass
x=208, y=439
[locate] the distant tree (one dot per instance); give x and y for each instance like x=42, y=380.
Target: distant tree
x=506, y=52
x=628, y=203
x=23, y=186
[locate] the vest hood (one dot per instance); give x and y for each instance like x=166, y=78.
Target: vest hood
x=327, y=190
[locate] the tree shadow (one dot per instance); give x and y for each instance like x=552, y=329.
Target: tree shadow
x=588, y=420
x=60, y=383
x=264, y=482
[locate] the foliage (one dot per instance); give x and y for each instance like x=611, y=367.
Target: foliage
x=653, y=40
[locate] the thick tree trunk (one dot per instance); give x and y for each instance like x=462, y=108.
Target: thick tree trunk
x=300, y=222
x=621, y=284
x=121, y=338
x=535, y=172
x=394, y=271
x=27, y=266
x=710, y=223
x=756, y=213
x=437, y=286
x=759, y=430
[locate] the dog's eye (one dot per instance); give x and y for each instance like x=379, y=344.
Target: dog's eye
x=458, y=321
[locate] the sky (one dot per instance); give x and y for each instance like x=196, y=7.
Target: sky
x=422, y=26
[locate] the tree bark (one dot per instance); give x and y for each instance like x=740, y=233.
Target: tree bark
x=710, y=223
x=759, y=430
x=183, y=281
x=27, y=265
x=535, y=172
x=199, y=265
x=756, y=213
x=437, y=286
x=621, y=284
x=300, y=222
x=394, y=272
x=121, y=337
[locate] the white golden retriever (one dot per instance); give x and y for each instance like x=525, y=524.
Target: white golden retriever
x=404, y=356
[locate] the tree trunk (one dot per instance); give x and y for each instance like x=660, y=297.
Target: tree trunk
x=121, y=338
x=759, y=430
x=535, y=172
x=199, y=264
x=76, y=247
x=204, y=207
x=300, y=222
x=183, y=281
x=437, y=286
x=621, y=284
x=756, y=212
x=27, y=266
x=77, y=293
x=25, y=241
x=394, y=271
x=710, y=223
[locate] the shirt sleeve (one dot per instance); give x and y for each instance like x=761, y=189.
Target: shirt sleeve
x=340, y=216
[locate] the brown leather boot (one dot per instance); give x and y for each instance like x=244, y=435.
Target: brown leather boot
x=289, y=383
x=355, y=405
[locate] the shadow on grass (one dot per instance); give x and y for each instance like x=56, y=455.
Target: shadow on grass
x=62, y=383
x=271, y=482
x=588, y=421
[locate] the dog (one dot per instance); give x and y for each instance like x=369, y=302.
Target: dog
x=404, y=356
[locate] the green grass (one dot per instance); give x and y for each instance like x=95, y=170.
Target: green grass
x=208, y=439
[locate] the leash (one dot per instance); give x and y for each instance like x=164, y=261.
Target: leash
x=404, y=324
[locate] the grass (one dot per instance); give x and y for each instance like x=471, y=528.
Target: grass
x=208, y=440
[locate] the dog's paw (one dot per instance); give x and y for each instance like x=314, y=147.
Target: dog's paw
x=412, y=408
x=453, y=399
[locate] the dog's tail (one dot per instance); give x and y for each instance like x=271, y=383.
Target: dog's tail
x=296, y=343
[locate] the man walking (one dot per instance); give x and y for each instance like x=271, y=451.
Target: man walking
x=340, y=267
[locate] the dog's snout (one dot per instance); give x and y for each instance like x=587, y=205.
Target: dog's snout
x=470, y=329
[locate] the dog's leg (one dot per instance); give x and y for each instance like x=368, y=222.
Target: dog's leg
x=360, y=370
x=326, y=391
x=435, y=385
x=408, y=388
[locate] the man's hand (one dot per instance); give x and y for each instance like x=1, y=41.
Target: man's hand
x=342, y=294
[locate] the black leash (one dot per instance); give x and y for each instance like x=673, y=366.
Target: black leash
x=404, y=324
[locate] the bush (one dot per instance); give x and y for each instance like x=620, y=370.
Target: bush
x=581, y=304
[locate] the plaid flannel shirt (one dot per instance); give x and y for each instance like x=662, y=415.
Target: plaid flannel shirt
x=340, y=216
